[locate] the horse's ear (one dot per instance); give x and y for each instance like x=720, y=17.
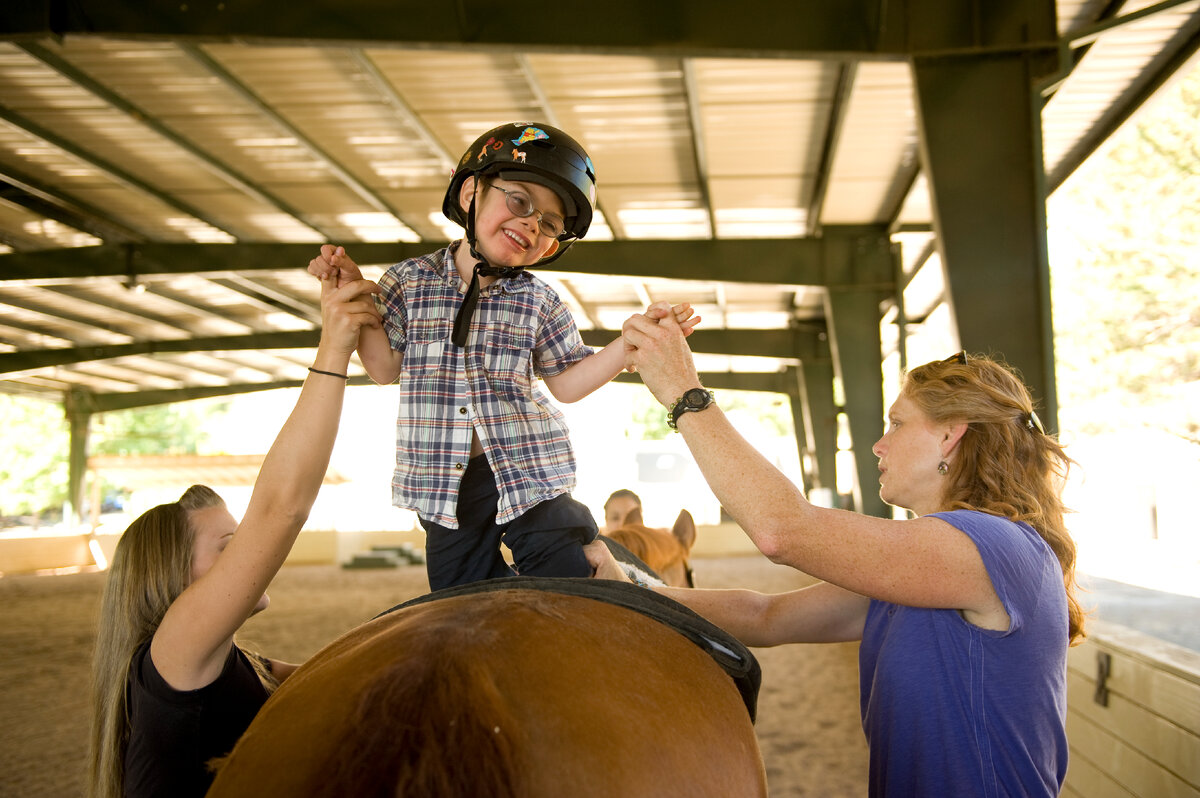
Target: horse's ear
x=634, y=516
x=685, y=529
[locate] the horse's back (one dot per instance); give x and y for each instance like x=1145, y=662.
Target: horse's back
x=513, y=692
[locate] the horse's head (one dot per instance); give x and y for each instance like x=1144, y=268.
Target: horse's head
x=666, y=552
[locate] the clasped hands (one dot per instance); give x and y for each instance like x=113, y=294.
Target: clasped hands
x=347, y=304
x=656, y=348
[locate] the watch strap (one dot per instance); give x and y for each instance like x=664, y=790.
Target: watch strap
x=681, y=406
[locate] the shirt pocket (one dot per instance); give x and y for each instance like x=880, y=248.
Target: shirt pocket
x=508, y=362
x=427, y=341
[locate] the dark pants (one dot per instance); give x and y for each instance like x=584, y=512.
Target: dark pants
x=545, y=540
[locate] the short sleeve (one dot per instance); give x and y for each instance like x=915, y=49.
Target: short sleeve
x=559, y=344
x=392, y=305
x=1017, y=560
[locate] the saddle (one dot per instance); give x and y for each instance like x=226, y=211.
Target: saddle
x=728, y=652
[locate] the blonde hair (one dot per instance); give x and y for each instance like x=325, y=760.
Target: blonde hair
x=151, y=566
x=1004, y=464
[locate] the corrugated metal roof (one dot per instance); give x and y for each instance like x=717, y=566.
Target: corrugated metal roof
x=132, y=140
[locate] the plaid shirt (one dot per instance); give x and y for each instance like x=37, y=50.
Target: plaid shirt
x=521, y=329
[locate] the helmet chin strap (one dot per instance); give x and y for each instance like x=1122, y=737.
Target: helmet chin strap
x=462, y=319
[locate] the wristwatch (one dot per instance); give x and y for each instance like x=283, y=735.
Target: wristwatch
x=692, y=401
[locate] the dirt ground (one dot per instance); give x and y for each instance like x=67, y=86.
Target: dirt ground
x=808, y=726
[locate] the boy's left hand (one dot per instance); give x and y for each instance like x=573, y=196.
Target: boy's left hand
x=684, y=316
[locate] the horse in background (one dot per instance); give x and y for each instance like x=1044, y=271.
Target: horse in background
x=512, y=690
x=665, y=552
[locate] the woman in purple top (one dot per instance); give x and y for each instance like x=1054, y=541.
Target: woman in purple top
x=965, y=613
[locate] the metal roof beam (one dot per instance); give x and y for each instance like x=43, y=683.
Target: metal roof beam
x=770, y=382
x=136, y=314
x=773, y=28
x=777, y=261
x=56, y=313
x=829, y=146
x=1174, y=56
x=699, y=159
x=800, y=344
x=551, y=118
x=269, y=299
x=407, y=115
x=44, y=358
x=793, y=343
x=112, y=170
x=143, y=117
x=364, y=192
x=19, y=189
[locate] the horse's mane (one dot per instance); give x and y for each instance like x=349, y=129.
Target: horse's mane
x=434, y=724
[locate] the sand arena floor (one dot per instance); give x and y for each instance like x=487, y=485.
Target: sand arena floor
x=807, y=727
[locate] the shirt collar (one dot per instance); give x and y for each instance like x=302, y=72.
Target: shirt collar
x=512, y=285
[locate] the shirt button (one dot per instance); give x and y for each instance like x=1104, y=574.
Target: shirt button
x=462, y=410
x=458, y=466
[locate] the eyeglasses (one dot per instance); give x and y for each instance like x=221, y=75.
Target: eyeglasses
x=958, y=357
x=519, y=204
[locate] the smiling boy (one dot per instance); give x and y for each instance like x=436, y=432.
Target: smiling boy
x=481, y=455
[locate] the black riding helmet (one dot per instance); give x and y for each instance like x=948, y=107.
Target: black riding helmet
x=533, y=153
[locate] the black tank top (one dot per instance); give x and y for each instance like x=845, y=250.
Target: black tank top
x=173, y=733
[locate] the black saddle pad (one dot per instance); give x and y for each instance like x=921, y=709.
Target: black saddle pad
x=728, y=652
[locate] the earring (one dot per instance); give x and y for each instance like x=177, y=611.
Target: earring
x=943, y=468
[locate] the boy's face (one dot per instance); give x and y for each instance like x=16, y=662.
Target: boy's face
x=504, y=238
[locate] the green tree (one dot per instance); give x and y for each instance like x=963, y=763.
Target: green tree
x=33, y=471
x=35, y=437
x=161, y=429
x=1126, y=275
x=649, y=423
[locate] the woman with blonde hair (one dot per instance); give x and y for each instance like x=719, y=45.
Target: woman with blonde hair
x=171, y=688
x=964, y=613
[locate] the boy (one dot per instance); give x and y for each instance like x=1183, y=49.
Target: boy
x=481, y=455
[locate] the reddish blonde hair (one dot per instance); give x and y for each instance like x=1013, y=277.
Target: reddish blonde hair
x=1004, y=463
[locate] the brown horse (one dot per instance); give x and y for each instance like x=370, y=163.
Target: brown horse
x=665, y=552
x=513, y=690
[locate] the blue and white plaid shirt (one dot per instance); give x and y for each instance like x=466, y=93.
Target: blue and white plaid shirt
x=521, y=329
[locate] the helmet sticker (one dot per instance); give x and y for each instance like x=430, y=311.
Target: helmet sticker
x=491, y=142
x=530, y=134
x=518, y=156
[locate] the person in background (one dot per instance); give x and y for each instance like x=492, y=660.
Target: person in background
x=618, y=506
x=171, y=687
x=964, y=613
x=482, y=456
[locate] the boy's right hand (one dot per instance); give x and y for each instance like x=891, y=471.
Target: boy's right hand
x=333, y=262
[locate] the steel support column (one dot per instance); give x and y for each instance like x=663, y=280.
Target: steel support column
x=989, y=206
x=815, y=415
x=860, y=265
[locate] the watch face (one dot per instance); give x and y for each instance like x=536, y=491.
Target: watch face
x=696, y=397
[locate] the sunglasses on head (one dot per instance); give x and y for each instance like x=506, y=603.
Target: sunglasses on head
x=1030, y=419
